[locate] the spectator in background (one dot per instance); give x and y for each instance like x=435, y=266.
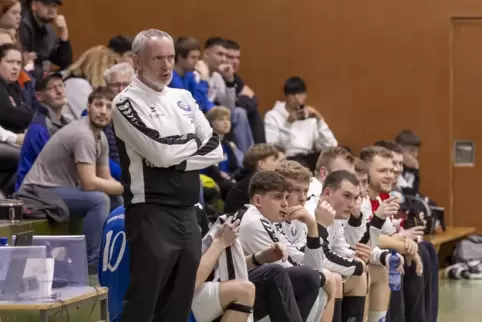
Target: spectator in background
x=117, y=78
x=9, y=155
x=298, y=128
x=245, y=96
x=10, y=142
x=409, y=182
x=10, y=15
x=47, y=121
x=223, y=172
x=188, y=53
x=24, y=79
x=122, y=46
x=260, y=157
x=37, y=36
x=74, y=165
x=222, y=91
x=15, y=114
x=85, y=75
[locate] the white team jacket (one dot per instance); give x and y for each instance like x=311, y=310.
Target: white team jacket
x=299, y=137
x=258, y=233
x=163, y=137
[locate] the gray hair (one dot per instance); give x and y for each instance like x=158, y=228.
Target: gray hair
x=144, y=36
x=121, y=68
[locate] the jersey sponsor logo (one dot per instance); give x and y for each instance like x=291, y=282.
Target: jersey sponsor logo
x=184, y=106
x=108, y=262
x=153, y=113
x=125, y=107
x=293, y=230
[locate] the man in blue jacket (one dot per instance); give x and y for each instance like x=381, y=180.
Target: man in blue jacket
x=49, y=99
x=188, y=54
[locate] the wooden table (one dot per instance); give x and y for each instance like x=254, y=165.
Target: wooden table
x=40, y=227
x=445, y=241
x=67, y=297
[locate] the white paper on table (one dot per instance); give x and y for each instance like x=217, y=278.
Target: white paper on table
x=42, y=269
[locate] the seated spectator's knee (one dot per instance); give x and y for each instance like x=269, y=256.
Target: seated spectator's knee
x=238, y=114
x=99, y=199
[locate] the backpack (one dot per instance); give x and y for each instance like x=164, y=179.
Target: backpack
x=468, y=249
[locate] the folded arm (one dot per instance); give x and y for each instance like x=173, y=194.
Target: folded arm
x=134, y=130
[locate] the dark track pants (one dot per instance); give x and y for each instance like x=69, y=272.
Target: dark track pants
x=285, y=294
x=413, y=302
x=165, y=249
x=432, y=265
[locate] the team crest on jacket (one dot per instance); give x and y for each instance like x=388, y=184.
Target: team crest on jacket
x=184, y=106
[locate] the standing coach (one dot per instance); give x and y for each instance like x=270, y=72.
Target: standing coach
x=163, y=140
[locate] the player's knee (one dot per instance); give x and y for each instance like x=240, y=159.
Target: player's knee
x=335, y=281
x=245, y=292
x=358, y=285
x=378, y=274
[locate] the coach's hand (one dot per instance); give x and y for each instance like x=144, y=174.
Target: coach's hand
x=228, y=232
x=272, y=254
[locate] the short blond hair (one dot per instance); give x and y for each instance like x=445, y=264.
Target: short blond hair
x=360, y=166
x=328, y=155
x=218, y=112
x=367, y=154
x=293, y=170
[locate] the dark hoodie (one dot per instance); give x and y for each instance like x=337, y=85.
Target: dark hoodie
x=15, y=114
x=238, y=196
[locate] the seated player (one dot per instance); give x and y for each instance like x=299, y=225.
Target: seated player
x=409, y=303
x=407, y=227
x=349, y=237
x=269, y=206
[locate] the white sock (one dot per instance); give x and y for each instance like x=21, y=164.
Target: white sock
x=376, y=316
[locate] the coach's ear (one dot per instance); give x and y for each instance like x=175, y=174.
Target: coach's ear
x=256, y=201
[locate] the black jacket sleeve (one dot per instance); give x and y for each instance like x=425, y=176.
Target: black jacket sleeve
x=61, y=54
x=412, y=176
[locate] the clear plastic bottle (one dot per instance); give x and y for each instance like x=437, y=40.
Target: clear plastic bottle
x=394, y=276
